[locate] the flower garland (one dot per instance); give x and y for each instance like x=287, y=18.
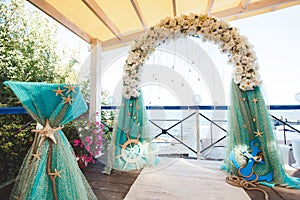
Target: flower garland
x=239, y=51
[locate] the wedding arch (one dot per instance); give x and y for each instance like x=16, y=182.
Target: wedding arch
x=252, y=152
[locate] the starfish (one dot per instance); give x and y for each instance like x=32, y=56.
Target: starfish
x=48, y=132
x=70, y=88
x=36, y=156
x=59, y=91
x=55, y=173
x=258, y=133
x=68, y=100
x=255, y=100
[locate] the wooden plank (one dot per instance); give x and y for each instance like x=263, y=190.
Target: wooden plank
x=244, y=3
x=95, y=8
x=210, y=4
x=174, y=8
x=126, y=39
x=114, y=186
x=251, y=8
x=60, y=18
x=138, y=11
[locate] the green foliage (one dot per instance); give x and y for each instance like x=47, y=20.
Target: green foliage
x=14, y=143
x=27, y=53
x=27, y=48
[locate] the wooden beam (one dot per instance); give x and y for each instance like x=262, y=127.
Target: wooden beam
x=174, y=8
x=210, y=4
x=126, y=40
x=138, y=11
x=60, y=18
x=244, y=3
x=251, y=7
x=95, y=8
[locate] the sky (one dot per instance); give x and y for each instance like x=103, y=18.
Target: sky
x=275, y=39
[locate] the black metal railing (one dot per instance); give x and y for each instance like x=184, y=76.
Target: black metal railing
x=166, y=131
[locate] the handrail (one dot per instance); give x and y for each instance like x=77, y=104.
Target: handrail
x=283, y=122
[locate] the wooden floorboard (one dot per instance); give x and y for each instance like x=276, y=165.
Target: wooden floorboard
x=112, y=187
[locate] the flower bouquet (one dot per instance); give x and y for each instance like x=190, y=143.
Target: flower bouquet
x=88, y=144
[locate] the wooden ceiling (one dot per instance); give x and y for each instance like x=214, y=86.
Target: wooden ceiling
x=117, y=22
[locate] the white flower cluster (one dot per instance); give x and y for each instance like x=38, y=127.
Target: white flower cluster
x=208, y=28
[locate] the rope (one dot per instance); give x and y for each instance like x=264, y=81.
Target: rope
x=239, y=182
x=49, y=159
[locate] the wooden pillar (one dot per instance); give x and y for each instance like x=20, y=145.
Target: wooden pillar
x=95, y=79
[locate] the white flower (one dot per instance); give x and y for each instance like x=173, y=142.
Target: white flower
x=237, y=79
x=133, y=83
x=240, y=51
x=239, y=70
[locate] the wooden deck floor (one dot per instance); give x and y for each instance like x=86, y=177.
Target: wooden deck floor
x=116, y=185
x=109, y=187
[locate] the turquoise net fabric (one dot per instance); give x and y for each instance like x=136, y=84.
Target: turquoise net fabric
x=50, y=169
x=251, y=137
x=131, y=147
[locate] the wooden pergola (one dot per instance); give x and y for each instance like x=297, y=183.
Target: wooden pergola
x=108, y=24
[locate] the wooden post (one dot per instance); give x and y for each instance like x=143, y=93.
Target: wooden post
x=95, y=79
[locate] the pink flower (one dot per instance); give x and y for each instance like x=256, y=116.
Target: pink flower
x=90, y=158
x=88, y=148
x=99, y=142
x=76, y=142
x=89, y=140
x=94, y=131
x=89, y=123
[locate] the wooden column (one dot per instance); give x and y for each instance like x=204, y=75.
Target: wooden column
x=95, y=79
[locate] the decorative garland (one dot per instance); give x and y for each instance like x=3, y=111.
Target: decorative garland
x=239, y=51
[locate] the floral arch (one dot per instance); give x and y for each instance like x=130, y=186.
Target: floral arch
x=252, y=152
x=239, y=51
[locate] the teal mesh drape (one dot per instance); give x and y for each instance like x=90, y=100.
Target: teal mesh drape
x=251, y=132
x=50, y=169
x=130, y=146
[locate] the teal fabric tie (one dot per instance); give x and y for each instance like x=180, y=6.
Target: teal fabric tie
x=50, y=170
